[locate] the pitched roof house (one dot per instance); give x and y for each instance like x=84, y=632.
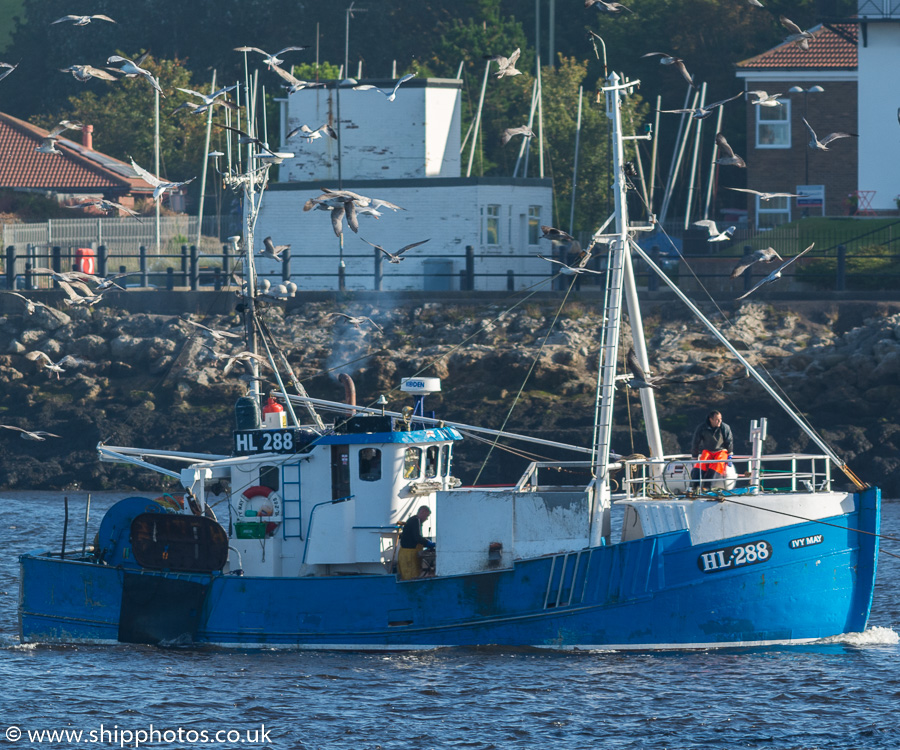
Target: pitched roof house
x=77, y=171
x=819, y=85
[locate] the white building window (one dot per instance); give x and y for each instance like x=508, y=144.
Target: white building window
x=773, y=126
x=534, y=224
x=772, y=212
x=491, y=234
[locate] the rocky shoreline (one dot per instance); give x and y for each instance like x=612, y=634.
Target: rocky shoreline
x=153, y=380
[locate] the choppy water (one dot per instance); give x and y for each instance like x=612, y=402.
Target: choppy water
x=835, y=695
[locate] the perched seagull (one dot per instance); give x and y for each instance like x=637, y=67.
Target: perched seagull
x=822, y=145
x=579, y=267
x=309, y=135
x=510, y=133
x=667, y=59
x=294, y=84
x=766, y=255
x=776, y=274
x=45, y=363
x=730, y=159
x=506, y=66
x=390, y=95
x=105, y=205
x=159, y=186
x=555, y=235
x=132, y=69
x=765, y=99
x=215, y=334
x=798, y=36
x=6, y=69
x=30, y=306
x=604, y=7
x=395, y=257
x=714, y=234
x=28, y=435
x=701, y=113
x=270, y=60
x=208, y=100
x=82, y=20
x=768, y=196
x=638, y=378
x=244, y=358
x=272, y=251
x=357, y=321
x=86, y=72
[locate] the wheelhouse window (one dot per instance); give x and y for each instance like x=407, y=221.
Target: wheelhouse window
x=772, y=212
x=270, y=476
x=370, y=464
x=445, y=460
x=412, y=463
x=534, y=224
x=491, y=225
x=431, y=461
x=773, y=126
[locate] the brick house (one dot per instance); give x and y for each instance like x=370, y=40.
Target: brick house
x=825, y=92
x=77, y=172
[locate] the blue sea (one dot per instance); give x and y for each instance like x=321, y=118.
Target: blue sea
x=836, y=694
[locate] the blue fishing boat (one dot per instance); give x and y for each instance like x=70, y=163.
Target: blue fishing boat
x=304, y=551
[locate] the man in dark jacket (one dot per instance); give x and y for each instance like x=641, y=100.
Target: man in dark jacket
x=711, y=435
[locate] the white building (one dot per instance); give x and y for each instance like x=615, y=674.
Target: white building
x=405, y=151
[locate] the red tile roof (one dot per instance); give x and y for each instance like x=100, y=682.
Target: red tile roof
x=77, y=170
x=832, y=47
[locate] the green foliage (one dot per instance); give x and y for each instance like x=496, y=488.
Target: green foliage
x=325, y=71
x=868, y=268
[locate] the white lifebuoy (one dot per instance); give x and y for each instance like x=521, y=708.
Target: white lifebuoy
x=263, y=500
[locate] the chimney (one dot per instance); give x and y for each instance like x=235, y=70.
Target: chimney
x=87, y=139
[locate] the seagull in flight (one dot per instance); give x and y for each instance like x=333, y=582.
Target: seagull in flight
x=106, y=206
x=30, y=305
x=506, y=66
x=132, y=69
x=294, y=84
x=730, y=159
x=555, y=235
x=46, y=363
x=213, y=333
x=776, y=274
x=667, y=59
x=510, y=133
x=765, y=99
x=6, y=69
x=82, y=20
x=798, y=36
x=639, y=378
x=272, y=251
x=309, y=135
x=86, y=72
x=579, y=267
x=765, y=255
x=48, y=143
x=209, y=100
x=604, y=7
x=767, y=196
x=715, y=235
x=270, y=60
x=395, y=257
x=245, y=358
x=390, y=95
x=28, y=434
x=822, y=145
x=701, y=113
x=357, y=321
x=159, y=186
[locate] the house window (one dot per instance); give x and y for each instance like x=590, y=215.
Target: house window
x=772, y=212
x=534, y=224
x=773, y=126
x=491, y=225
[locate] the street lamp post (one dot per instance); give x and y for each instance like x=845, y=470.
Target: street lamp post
x=806, y=92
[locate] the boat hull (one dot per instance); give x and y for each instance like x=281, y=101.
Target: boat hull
x=806, y=581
